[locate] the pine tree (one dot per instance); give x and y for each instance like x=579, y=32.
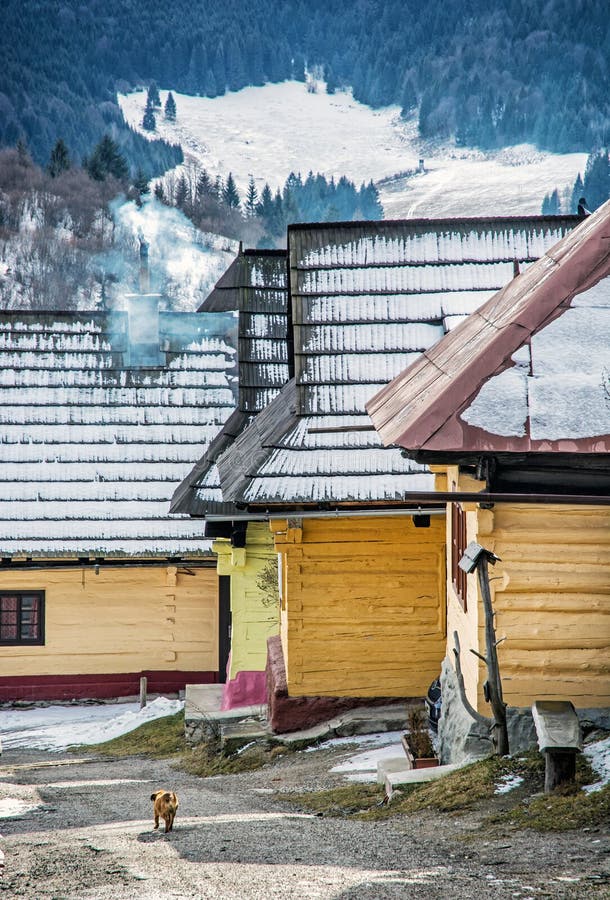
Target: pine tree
x=182, y=193
x=141, y=183
x=148, y=122
x=264, y=207
x=331, y=80
x=251, y=199
x=106, y=159
x=597, y=179
x=59, y=161
x=230, y=195
x=370, y=204
x=577, y=192
x=555, y=203
x=160, y=192
x=205, y=186
x=152, y=98
x=278, y=219
x=170, y=108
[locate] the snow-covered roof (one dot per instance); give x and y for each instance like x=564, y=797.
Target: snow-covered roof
x=367, y=298
x=255, y=285
x=91, y=445
x=528, y=372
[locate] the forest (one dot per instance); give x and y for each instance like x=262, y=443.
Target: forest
x=489, y=75
x=63, y=247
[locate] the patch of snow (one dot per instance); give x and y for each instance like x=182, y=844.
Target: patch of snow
x=378, y=738
x=500, y=407
x=272, y=130
x=58, y=727
x=12, y=806
x=508, y=783
x=598, y=754
x=565, y=394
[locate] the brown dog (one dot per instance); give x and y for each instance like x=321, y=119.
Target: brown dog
x=165, y=807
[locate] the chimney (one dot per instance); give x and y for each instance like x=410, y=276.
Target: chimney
x=143, y=348
x=144, y=273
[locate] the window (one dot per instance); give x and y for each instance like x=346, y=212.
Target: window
x=458, y=545
x=21, y=617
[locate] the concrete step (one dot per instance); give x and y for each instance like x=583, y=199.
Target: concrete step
x=393, y=773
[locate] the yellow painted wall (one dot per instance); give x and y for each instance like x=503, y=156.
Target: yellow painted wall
x=363, y=612
x=252, y=622
x=551, y=594
x=122, y=620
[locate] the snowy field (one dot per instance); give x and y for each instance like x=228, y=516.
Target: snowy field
x=272, y=130
x=58, y=727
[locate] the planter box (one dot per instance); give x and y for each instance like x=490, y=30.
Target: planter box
x=415, y=762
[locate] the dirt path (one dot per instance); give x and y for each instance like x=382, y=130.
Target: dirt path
x=90, y=835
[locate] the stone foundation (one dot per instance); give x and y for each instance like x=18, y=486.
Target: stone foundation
x=462, y=739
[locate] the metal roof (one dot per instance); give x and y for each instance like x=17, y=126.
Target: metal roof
x=91, y=446
x=255, y=285
x=367, y=298
x=527, y=373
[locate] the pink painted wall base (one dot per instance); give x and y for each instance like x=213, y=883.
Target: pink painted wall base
x=246, y=689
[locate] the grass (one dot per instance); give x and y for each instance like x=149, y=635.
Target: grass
x=561, y=811
x=163, y=738
x=205, y=760
x=159, y=739
x=474, y=786
x=470, y=787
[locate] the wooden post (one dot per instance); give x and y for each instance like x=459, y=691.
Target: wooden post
x=143, y=682
x=498, y=706
x=558, y=732
x=559, y=768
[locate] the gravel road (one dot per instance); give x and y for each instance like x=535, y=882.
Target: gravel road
x=90, y=835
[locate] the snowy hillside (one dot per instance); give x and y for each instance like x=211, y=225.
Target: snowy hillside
x=272, y=130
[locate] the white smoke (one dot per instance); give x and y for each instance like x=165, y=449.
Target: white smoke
x=184, y=263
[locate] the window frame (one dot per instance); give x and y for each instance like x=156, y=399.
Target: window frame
x=39, y=640
x=459, y=541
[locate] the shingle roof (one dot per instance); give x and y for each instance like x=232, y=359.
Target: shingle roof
x=367, y=298
x=91, y=448
x=528, y=372
x=256, y=286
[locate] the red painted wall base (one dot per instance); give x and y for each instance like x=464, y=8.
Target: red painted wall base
x=97, y=687
x=286, y=713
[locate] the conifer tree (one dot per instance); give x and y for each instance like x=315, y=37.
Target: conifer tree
x=170, y=108
x=251, y=199
x=205, y=186
x=577, y=192
x=182, y=193
x=106, y=159
x=59, y=161
x=152, y=98
x=141, y=183
x=597, y=179
x=264, y=207
x=148, y=122
x=230, y=195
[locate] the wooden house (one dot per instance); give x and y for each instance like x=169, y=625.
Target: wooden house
x=254, y=285
x=360, y=534
x=102, y=415
x=513, y=407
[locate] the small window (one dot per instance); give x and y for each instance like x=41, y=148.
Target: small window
x=458, y=545
x=21, y=617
